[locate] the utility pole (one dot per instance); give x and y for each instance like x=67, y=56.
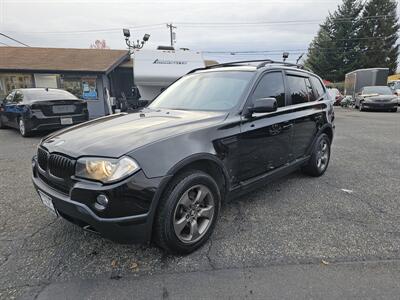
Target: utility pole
x=171, y=33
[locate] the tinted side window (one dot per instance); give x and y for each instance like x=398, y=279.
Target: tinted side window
x=310, y=92
x=318, y=87
x=271, y=86
x=298, y=89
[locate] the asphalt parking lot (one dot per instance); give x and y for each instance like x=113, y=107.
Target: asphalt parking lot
x=348, y=216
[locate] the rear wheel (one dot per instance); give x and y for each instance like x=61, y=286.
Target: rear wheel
x=22, y=128
x=320, y=157
x=187, y=213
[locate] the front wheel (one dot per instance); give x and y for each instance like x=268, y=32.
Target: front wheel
x=394, y=109
x=361, y=107
x=320, y=157
x=187, y=213
x=22, y=128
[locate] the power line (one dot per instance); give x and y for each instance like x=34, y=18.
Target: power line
x=14, y=39
x=232, y=54
x=4, y=44
x=280, y=22
x=94, y=30
x=274, y=50
x=205, y=24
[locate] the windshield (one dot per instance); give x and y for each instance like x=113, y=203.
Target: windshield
x=381, y=90
x=44, y=95
x=219, y=91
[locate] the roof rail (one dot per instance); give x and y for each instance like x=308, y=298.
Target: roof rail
x=232, y=63
x=262, y=63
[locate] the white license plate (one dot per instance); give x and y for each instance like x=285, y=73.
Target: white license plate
x=48, y=202
x=66, y=121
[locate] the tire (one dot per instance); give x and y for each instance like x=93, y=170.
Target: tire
x=361, y=107
x=394, y=109
x=176, y=220
x=319, y=160
x=22, y=128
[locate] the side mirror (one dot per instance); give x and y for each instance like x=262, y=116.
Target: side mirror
x=359, y=94
x=135, y=93
x=143, y=103
x=263, y=105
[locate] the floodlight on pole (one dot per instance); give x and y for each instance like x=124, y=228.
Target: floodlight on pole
x=285, y=56
x=133, y=45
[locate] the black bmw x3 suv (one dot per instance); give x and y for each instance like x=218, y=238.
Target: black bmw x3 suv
x=161, y=174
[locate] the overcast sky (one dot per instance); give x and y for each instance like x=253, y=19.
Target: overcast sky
x=77, y=24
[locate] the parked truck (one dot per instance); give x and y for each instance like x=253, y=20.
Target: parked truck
x=358, y=79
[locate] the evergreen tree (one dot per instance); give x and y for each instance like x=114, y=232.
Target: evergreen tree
x=379, y=35
x=346, y=26
x=335, y=50
x=319, y=59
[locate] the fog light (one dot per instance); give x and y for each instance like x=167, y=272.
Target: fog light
x=101, y=202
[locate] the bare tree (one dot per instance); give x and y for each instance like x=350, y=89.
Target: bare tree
x=99, y=44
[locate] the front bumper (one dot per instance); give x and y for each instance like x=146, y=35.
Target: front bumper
x=125, y=221
x=380, y=105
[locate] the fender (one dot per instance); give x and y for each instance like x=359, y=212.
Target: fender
x=201, y=156
x=176, y=168
x=323, y=128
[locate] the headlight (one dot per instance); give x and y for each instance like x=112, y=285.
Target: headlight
x=105, y=169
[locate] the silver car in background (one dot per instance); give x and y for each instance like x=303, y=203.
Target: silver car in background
x=376, y=98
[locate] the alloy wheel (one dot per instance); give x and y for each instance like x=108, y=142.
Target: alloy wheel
x=194, y=214
x=322, y=155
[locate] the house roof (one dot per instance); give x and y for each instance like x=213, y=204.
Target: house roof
x=60, y=59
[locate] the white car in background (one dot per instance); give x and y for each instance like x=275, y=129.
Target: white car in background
x=335, y=96
x=395, y=86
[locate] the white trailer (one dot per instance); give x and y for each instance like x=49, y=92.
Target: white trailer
x=154, y=70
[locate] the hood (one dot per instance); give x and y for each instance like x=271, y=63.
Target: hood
x=116, y=135
x=376, y=97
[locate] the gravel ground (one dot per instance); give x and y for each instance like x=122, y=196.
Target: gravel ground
x=349, y=215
